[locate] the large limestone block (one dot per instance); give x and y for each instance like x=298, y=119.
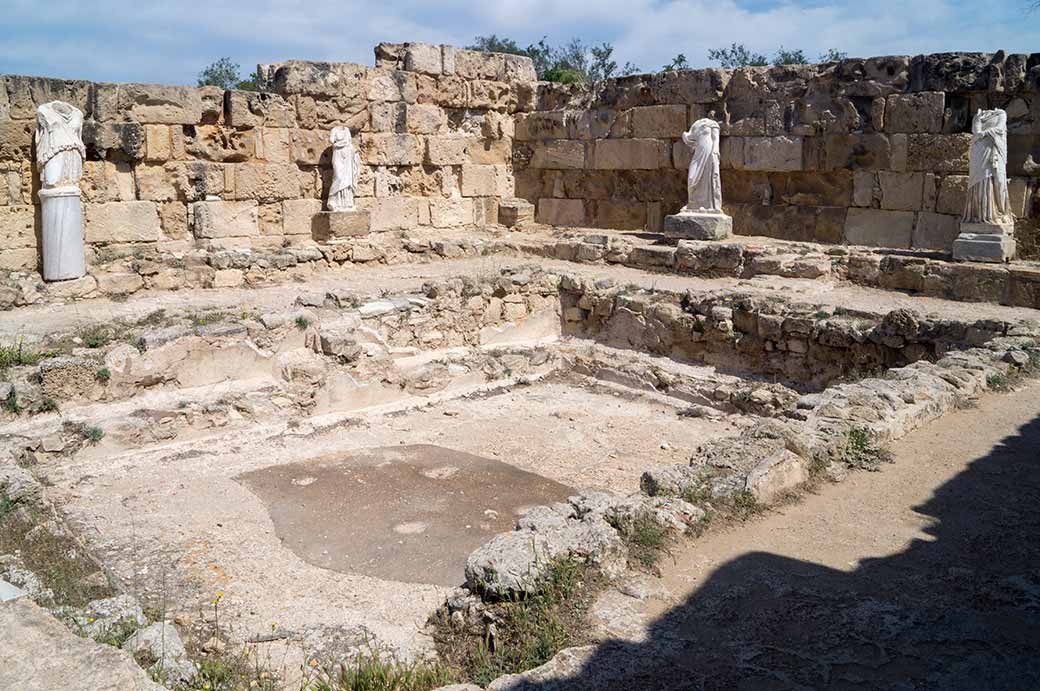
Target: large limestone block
x=698, y=226
x=157, y=104
x=486, y=181
x=325, y=79
x=23, y=259
x=915, y=112
x=472, y=64
x=901, y=191
x=773, y=153
x=40, y=652
x=663, y=122
x=935, y=231
x=561, y=212
x=851, y=151
x=122, y=222
x=273, y=144
x=689, y=86
x=258, y=108
x=391, y=149
x=338, y=225
x=424, y=58
x=515, y=212
x=266, y=181
x=878, y=228
x=447, y=150
x=451, y=213
x=542, y=125
x=223, y=219
x=559, y=154
x=298, y=216
x=24, y=94
x=630, y=154
x=985, y=242
x=17, y=227
x=425, y=119
x=311, y=147
x=782, y=471
x=601, y=123
x=938, y=153
x=16, y=140
x=391, y=85
x=392, y=213
x=489, y=151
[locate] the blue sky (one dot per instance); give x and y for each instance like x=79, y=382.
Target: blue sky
x=169, y=42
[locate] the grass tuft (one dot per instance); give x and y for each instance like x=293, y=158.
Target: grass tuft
x=103, y=375
x=93, y=434
x=302, y=323
x=862, y=453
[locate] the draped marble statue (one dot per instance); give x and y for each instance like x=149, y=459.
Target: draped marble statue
x=346, y=167
x=702, y=217
x=703, y=183
x=987, y=231
x=59, y=159
x=987, y=170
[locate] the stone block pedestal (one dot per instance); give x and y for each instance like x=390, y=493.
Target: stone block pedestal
x=985, y=242
x=698, y=225
x=337, y=225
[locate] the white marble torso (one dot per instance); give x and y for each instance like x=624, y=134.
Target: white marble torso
x=346, y=167
x=703, y=182
x=987, y=170
x=59, y=159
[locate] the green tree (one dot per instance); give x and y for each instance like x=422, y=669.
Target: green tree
x=571, y=63
x=494, y=44
x=833, y=55
x=790, y=57
x=679, y=62
x=224, y=73
x=737, y=55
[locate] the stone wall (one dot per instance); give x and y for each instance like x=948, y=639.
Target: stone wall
x=863, y=151
x=174, y=169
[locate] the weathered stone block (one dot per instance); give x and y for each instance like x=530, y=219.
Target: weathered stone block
x=489, y=151
x=559, y=154
x=600, y=123
x=915, y=112
x=901, y=191
x=451, y=213
x=620, y=215
x=985, y=242
x=221, y=144
x=17, y=227
x=938, y=153
x=266, y=181
x=107, y=181
x=221, y=219
x=664, y=122
x=391, y=213
x=561, y=212
x=113, y=222
x=491, y=95
x=772, y=153
x=876, y=228
x=24, y=94
x=24, y=259
x=630, y=154
x=423, y=57
x=258, y=108
x=425, y=119
x=853, y=151
x=515, y=212
x=447, y=150
x=391, y=149
x=689, y=86
x=698, y=226
x=486, y=181
x=273, y=144
x=325, y=79
x=337, y=225
x=298, y=216
x=542, y=125
x=935, y=231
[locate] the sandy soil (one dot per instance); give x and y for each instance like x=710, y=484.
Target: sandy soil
x=925, y=575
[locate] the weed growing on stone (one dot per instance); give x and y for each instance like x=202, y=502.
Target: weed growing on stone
x=646, y=538
x=743, y=505
x=302, y=323
x=11, y=404
x=998, y=381
x=862, y=453
x=15, y=355
x=93, y=434
x=48, y=405
x=103, y=375
x=527, y=630
x=376, y=671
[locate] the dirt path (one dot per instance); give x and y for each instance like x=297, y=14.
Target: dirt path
x=925, y=575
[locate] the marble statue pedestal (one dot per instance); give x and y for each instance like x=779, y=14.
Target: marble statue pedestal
x=336, y=225
x=698, y=225
x=62, y=218
x=985, y=242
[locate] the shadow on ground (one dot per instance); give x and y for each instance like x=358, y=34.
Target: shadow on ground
x=961, y=611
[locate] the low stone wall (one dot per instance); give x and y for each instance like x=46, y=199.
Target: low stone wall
x=862, y=151
x=171, y=168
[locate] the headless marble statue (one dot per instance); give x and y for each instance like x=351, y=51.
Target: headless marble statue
x=987, y=230
x=59, y=158
x=346, y=167
x=703, y=183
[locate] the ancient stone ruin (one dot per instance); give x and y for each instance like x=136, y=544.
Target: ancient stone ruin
x=357, y=357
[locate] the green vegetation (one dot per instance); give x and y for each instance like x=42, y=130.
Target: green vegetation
x=225, y=74
x=103, y=375
x=49, y=405
x=16, y=355
x=93, y=434
x=11, y=404
x=998, y=381
x=861, y=452
x=528, y=630
x=375, y=671
x=738, y=55
x=572, y=63
x=302, y=322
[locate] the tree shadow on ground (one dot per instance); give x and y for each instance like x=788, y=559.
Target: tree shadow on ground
x=961, y=611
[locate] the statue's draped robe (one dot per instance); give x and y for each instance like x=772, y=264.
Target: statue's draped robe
x=59, y=147
x=987, y=165
x=703, y=183
x=346, y=167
